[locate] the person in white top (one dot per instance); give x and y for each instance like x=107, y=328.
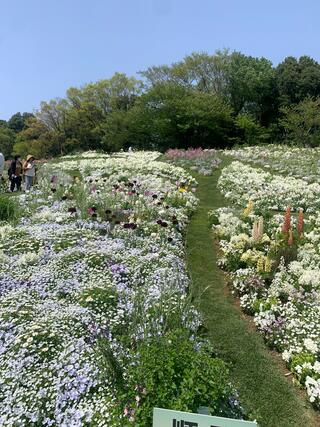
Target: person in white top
x=1, y=164
x=29, y=171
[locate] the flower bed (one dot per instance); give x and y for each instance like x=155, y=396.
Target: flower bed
x=202, y=161
x=274, y=264
x=297, y=162
x=96, y=326
x=241, y=183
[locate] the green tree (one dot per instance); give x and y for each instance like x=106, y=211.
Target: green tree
x=17, y=121
x=301, y=122
x=245, y=82
x=297, y=79
x=79, y=120
x=170, y=115
x=250, y=131
x=251, y=87
x=121, y=130
x=7, y=139
x=207, y=73
x=36, y=139
x=107, y=95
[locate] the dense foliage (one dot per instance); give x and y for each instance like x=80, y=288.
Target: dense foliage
x=204, y=100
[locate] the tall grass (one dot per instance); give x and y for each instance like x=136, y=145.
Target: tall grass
x=9, y=209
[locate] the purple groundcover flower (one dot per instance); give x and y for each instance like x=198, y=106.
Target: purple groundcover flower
x=118, y=269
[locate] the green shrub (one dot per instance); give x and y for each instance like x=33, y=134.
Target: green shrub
x=172, y=374
x=9, y=210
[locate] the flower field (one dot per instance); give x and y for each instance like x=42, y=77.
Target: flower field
x=96, y=326
x=292, y=161
x=197, y=159
x=269, y=242
x=241, y=183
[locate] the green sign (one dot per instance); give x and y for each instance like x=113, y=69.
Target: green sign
x=168, y=418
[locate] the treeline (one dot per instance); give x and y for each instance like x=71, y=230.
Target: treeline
x=204, y=100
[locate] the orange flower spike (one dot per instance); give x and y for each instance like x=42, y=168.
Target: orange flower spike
x=287, y=221
x=290, y=240
x=300, y=223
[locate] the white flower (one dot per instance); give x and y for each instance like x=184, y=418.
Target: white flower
x=286, y=355
x=310, y=345
x=28, y=258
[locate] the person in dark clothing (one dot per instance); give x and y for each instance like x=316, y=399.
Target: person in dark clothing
x=15, y=173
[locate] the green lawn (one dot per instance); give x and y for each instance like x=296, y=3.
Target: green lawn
x=265, y=392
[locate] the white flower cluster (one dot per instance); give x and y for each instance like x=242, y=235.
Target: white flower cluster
x=92, y=161
x=290, y=161
x=241, y=183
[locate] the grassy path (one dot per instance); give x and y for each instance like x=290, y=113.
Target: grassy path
x=257, y=373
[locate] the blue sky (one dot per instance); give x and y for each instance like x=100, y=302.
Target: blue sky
x=47, y=46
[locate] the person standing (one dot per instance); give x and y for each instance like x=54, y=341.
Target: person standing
x=29, y=171
x=15, y=173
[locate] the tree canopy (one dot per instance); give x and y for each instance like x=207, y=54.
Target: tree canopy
x=208, y=100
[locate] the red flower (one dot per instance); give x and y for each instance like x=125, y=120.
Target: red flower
x=300, y=223
x=287, y=220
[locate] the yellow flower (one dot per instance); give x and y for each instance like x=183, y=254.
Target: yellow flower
x=251, y=256
x=268, y=265
x=260, y=264
x=248, y=209
x=182, y=190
